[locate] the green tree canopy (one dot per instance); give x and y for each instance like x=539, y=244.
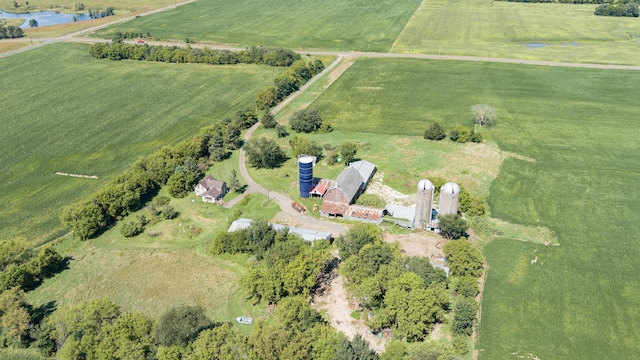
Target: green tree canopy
x=264, y=153
x=180, y=325
x=358, y=236
x=348, y=150
x=452, y=226
x=464, y=259
x=306, y=120
x=223, y=342
x=463, y=316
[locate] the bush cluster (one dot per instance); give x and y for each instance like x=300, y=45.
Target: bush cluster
x=10, y=32
x=24, y=268
x=620, y=9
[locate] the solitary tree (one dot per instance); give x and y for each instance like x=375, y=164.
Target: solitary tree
x=483, y=114
x=348, y=150
x=264, y=153
x=268, y=120
x=307, y=120
x=234, y=183
x=33, y=23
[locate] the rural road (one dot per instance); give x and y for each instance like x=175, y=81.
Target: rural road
x=288, y=213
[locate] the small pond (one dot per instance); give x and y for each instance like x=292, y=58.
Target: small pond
x=535, y=45
x=44, y=18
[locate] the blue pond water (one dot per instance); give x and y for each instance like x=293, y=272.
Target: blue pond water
x=44, y=18
x=535, y=45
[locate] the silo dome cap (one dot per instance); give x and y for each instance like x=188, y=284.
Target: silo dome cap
x=450, y=188
x=305, y=159
x=425, y=184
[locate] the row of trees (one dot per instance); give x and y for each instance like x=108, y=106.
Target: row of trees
x=175, y=54
x=179, y=168
x=22, y=269
x=10, y=32
x=99, y=13
x=288, y=83
x=466, y=266
x=98, y=329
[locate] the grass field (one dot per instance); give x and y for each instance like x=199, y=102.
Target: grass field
x=151, y=274
x=575, y=134
x=9, y=46
x=64, y=111
x=69, y=6
x=503, y=29
x=332, y=24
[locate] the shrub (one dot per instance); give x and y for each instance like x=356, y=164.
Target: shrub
x=281, y=131
x=464, y=134
x=268, y=120
x=434, y=132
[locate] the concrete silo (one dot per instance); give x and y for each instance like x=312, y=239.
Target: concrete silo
x=424, y=204
x=305, y=170
x=449, y=198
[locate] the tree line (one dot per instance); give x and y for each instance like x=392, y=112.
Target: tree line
x=25, y=268
x=288, y=83
x=179, y=167
x=99, y=329
x=119, y=50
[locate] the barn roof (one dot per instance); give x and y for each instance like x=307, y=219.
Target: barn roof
x=365, y=168
x=348, y=182
x=334, y=208
x=401, y=212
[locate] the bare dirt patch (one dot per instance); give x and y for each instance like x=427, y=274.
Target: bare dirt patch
x=76, y=175
x=334, y=298
x=422, y=243
x=389, y=195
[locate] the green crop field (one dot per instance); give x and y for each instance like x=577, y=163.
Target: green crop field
x=575, y=131
x=333, y=24
x=64, y=111
x=567, y=32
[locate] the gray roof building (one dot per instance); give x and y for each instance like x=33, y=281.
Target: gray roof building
x=366, y=170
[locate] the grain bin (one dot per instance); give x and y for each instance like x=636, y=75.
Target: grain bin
x=305, y=170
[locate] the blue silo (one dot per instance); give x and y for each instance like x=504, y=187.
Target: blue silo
x=305, y=169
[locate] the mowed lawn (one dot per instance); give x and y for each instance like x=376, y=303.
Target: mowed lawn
x=578, y=130
x=65, y=111
x=331, y=24
x=566, y=32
